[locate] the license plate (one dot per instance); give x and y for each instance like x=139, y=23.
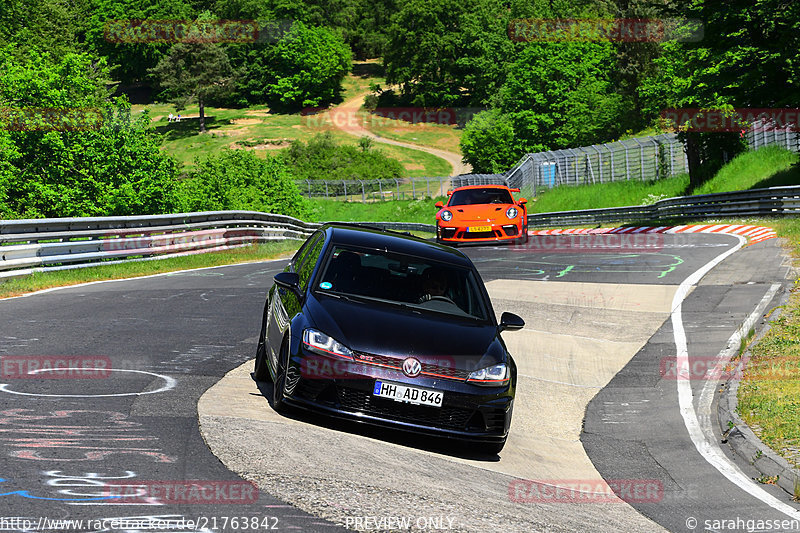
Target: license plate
x=406, y=394
x=479, y=229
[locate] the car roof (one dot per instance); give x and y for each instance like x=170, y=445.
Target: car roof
x=367, y=237
x=494, y=186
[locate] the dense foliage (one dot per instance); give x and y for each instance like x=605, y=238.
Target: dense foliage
x=540, y=90
x=238, y=180
x=307, y=68
x=69, y=150
x=322, y=158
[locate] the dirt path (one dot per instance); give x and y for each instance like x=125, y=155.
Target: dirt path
x=350, y=125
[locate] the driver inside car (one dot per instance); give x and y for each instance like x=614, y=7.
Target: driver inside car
x=434, y=283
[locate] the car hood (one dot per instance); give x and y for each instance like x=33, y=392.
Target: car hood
x=482, y=212
x=386, y=330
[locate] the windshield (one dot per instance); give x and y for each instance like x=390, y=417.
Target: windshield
x=403, y=280
x=491, y=195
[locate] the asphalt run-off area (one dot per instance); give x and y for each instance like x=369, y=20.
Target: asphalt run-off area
x=170, y=429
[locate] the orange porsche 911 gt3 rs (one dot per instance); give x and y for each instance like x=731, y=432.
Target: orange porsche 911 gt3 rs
x=482, y=213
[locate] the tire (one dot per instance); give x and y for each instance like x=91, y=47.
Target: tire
x=260, y=370
x=278, y=402
x=524, y=238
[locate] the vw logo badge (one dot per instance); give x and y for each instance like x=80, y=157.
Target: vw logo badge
x=412, y=367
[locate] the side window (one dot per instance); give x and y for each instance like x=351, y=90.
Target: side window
x=302, y=252
x=304, y=266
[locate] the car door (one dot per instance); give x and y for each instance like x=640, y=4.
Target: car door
x=285, y=304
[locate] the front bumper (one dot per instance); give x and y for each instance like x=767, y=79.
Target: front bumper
x=468, y=412
x=459, y=232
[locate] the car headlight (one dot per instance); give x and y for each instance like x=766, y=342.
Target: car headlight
x=491, y=376
x=512, y=212
x=316, y=341
x=447, y=216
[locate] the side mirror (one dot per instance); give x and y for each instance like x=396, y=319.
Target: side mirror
x=288, y=280
x=522, y=201
x=439, y=205
x=510, y=322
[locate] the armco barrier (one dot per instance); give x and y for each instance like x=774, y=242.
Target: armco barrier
x=52, y=244
x=36, y=245
x=33, y=245
x=774, y=201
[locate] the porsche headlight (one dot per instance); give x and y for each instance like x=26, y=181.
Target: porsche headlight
x=512, y=212
x=447, y=216
x=316, y=341
x=491, y=376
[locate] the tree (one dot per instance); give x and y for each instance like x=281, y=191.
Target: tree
x=195, y=69
x=435, y=48
x=489, y=144
x=305, y=68
x=322, y=158
x=362, y=24
x=111, y=32
x=749, y=57
x=55, y=25
x=8, y=153
x=71, y=151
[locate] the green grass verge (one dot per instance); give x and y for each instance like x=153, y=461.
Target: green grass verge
x=440, y=136
x=771, y=166
x=324, y=210
x=417, y=164
x=615, y=194
x=768, y=167
x=46, y=280
x=769, y=394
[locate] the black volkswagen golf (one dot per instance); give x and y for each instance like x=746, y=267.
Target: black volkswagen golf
x=388, y=329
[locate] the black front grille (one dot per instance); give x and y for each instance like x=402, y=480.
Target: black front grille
x=311, y=388
x=479, y=234
x=357, y=401
x=495, y=420
x=397, y=363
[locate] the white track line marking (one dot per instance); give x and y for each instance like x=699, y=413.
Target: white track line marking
x=169, y=384
x=708, y=448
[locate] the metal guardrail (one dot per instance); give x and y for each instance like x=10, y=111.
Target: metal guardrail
x=38, y=245
x=774, y=201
